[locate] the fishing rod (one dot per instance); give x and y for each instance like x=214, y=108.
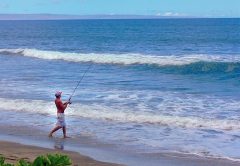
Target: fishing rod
x=70, y=97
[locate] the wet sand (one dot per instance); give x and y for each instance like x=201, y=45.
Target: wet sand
x=15, y=151
x=18, y=142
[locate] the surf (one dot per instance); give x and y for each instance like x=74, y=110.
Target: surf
x=100, y=112
x=122, y=59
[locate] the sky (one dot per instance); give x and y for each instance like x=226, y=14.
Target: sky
x=195, y=8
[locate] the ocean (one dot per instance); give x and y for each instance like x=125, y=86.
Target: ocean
x=154, y=85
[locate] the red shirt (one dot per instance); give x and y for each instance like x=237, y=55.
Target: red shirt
x=60, y=106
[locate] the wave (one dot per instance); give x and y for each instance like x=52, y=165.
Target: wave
x=184, y=64
x=204, y=67
x=106, y=113
x=124, y=59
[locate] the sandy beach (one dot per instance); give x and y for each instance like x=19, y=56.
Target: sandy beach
x=15, y=151
x=17, y=142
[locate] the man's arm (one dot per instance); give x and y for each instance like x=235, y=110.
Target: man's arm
x=61, y=106
x=66, y=103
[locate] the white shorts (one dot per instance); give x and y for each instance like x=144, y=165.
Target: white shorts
x=61, y=120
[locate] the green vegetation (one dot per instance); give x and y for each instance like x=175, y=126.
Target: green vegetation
x=44, y=160
x=2, y=162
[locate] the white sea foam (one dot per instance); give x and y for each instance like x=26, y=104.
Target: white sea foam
x=124, y=59
x=107, y=113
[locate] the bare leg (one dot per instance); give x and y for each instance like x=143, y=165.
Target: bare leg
x=64, y=133
x=54, y=129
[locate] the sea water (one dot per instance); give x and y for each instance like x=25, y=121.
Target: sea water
x=157, y=85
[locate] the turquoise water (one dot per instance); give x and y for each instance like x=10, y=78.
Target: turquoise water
x=154, y=85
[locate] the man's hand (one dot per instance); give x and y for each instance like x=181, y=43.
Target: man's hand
x=68, y=102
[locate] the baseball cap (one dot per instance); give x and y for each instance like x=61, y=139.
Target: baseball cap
x=58, y=93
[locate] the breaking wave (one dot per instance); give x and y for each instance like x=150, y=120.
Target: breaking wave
x=106, y=113
x=125, y=59
x=190, y=64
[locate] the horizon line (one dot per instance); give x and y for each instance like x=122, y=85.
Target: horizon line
x=49, y=16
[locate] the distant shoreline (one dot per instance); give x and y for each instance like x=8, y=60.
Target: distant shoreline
x=24, y=17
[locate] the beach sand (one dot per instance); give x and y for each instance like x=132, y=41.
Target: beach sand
x=18, y=142
x=15, y=151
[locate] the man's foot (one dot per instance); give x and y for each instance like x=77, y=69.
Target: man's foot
x=66, y=137
x=50, y=135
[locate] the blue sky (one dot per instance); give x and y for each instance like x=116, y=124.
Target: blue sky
x=199, y=8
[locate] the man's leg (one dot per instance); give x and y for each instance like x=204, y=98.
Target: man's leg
x=64, y=132
x=54, y=129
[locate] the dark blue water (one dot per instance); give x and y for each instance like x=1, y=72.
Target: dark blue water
x=166, y=36
x=154, y=85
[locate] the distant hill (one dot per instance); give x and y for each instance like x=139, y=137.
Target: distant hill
x=72, y=17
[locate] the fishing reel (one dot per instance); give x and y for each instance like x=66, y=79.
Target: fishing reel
x=69, y=101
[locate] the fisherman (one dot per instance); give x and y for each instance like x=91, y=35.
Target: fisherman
x=60, y=115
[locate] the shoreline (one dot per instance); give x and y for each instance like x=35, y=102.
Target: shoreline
x=28, y=136
x=13, y=152
x=31, y=139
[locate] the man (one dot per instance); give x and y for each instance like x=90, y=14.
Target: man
x=60, y=115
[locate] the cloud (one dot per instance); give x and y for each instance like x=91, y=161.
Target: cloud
x=170, y=14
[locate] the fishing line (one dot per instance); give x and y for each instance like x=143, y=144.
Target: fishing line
x=79, y=82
